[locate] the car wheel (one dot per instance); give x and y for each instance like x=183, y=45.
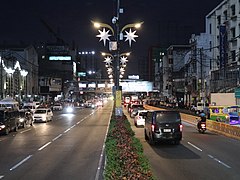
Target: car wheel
x=16, y=128
x=151, y=141
x=145, y=136
x=176, y=142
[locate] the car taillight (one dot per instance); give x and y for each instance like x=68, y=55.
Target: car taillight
x=155, y=128
x=181, y=127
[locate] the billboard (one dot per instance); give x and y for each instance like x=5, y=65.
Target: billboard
x=137, y=86
x=60, y=58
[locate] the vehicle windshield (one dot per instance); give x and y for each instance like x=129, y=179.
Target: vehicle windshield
x=40, y=111
x=143, y=114
x=167, y=117
x=137, y=106
x=28, y=107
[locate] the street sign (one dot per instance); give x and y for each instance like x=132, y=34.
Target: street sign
x=118, y=98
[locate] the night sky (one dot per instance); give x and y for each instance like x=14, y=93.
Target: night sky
x=71, y=20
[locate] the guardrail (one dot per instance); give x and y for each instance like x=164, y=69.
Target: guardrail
x=218, y=127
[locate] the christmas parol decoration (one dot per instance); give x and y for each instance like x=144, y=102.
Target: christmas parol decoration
x=130, y=36
x=108, y=60
x=123, y=59
x=104, y=36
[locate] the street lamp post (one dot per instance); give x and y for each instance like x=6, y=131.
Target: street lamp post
x=115, y=47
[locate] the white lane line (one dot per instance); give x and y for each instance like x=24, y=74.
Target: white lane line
x=66, y=130
x=195, y=146
x=1, y=176
x=45, y=145
x=54, y=139
x=21, y=162
x=25, y=131
x=73, y=126
x=220, y=162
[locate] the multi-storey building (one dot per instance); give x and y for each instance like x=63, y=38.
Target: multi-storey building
x=177, y=57
x=197, y=70
x=57, y=70
x=222, y=23
x=19, y=72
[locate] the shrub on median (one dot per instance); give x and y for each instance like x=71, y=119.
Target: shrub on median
x=124, y=152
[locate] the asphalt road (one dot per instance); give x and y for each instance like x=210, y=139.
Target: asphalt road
x=69, y=147
x=199, y=156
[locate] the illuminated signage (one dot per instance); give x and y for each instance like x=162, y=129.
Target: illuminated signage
x=81, y=74
x=101, y=85
x=81, y=85
x=92, y=85
x=60, y=58
x=133, y=77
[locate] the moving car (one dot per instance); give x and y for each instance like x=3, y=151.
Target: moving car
x=28, y=108
x=135, y=108
x=161, y=125
x=43, y=115
x=9, y=120
x=139, y=119
x=57, y=106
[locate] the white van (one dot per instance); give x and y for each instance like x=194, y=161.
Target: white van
x=9, y=103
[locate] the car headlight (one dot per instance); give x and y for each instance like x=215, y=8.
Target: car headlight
x=69, y=109
x=21, y=120
x=2, y=126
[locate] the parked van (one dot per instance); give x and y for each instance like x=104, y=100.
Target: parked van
x=161, y=125
x=9, y=120
x=9, y=103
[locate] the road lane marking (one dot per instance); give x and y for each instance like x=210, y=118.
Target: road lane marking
x=1, y=176
x=54, y=139
x=220, y=162
x=45, y=145
x=73, y=126
x=195, y=146
x=66, y=130
x=21, y=162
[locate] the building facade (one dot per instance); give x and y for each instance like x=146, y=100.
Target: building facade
x=222, y=24
x=19, y=72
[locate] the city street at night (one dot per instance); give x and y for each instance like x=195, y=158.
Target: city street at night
x=69, y=147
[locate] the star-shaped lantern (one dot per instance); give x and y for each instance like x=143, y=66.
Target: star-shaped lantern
x=130, y=36
x=108, y=60
x=104, y=36
x=123, y=60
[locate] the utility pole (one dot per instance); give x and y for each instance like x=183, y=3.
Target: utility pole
x=202, y=80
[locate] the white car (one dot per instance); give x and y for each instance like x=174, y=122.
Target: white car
x=58, y=107
x=139, y=119
x=43, y=115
